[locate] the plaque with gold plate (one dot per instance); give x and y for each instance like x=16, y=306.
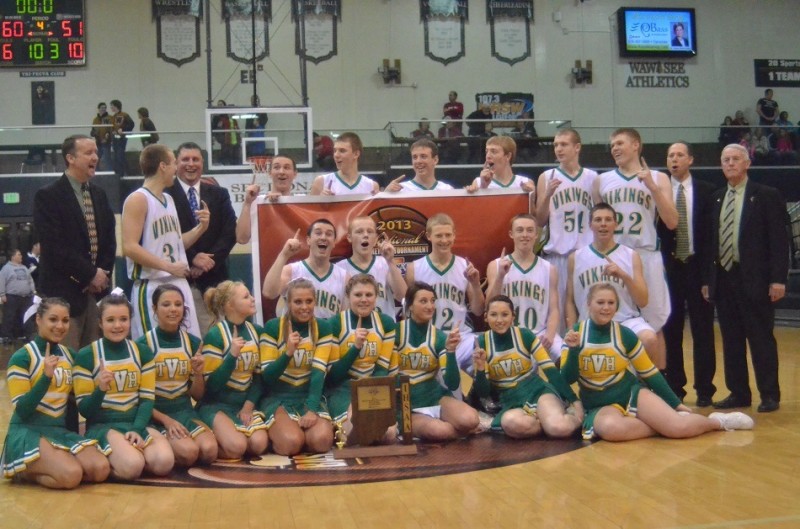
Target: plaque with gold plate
x=374, y=404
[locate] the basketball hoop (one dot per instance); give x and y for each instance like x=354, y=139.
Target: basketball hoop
x=260, y=166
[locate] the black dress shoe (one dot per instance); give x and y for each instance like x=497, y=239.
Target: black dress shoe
x=703, y=402
x=768, y=405
x=732, y=401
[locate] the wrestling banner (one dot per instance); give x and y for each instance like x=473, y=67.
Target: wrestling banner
x=482, y=226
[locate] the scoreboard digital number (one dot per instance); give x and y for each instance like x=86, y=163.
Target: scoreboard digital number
x=42, y=33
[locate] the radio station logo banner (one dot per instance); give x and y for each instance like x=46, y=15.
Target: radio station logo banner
x=507, y=106
x=481, y=221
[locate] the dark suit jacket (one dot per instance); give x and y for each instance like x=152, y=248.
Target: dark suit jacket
x=701, y=228
x=677, y=44
x=220, y=236
x=65, y=266
x=763, y=239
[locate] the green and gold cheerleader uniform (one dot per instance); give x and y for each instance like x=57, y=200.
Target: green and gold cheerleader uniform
x=128, y=404
x=294, y=382
x=419, y=353
x=609, y=365
x=511, y=365
x=348, y=363
x=40, y=405
x=173, y=353
x=231, y=381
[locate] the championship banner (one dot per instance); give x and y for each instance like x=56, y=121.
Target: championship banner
x=317, y=7
x=511, y=33
x=443, y=22
x=316, y=28
x=177, y=30
x=444, y=8
x=247, y=29
x=481, y=220
x=509, y=8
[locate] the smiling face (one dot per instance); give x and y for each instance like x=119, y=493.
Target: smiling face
x=603, y=224
x=82, y=163
x=345, y=157
x=168, y=169
x=500, y=316
x=54, y=323
x=301, y=304
x=321, y=239
x=115, y=322
x=241, y=305
x=524, y=233
x=679, y=161
x=362, y=299
x=603, y=305
x=283, y=174
x=170, y=310
x=190, y=166
x=424, y=161
x=442, y=238
x=363, y=235
x=423, y=306
x=624, y=149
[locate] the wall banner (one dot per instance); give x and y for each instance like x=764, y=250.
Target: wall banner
x=178, y=30
x=443, y=21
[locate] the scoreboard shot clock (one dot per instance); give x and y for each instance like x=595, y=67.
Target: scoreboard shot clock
x=42, y=33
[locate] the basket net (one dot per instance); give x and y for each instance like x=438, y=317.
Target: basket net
x=260, y=166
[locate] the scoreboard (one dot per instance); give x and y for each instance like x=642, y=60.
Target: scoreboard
x=42, y=33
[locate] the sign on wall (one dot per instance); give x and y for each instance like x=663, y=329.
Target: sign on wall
x=247, y=29
x=316, y=28
x=777, y=72
x=510, y=28
x=178, y=30
x=443, y=21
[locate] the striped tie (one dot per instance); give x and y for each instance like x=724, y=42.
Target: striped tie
x=193, y=205
x=682, y=233
x=726, y=231
x=88, y=212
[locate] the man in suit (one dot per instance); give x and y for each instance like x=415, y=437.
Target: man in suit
x=75, y=224
x=686, y=261
x=751, y=245
x=208, y=256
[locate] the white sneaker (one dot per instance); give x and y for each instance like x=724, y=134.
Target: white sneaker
x=735, y=420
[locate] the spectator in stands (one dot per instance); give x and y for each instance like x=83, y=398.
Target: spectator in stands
x=257, y=128
x=323, y=152
x=453, y=109
x=423, y=130
x=16, y=295
x=478, y=129
x=783, y=121
x=727, y=132
x=740, y=121
x=767, y=109
x=785, y=152
x=32, y=262
x=103, y=135
x=146, y=125
x=450, y=150
x=758, y=147
x=122, y=123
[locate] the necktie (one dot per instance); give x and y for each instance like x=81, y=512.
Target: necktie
x=726, y=231
x=193, y=203
x=88, y=212
x=682, y=232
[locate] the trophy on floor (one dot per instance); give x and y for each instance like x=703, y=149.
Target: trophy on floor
x=374, y=404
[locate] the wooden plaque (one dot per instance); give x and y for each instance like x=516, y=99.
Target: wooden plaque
x=374, y=409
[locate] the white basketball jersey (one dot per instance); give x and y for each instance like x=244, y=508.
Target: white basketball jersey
x=588, y=270
x=450, y=286
x=334, y=183
x=635, y=207
x=515, y=183
x=161, y=236
x=529, y=289
x=411, y=185
x=379, y=269
x=328, y=290
x=570, y=211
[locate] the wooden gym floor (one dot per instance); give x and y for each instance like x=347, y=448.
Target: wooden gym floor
x=719, y=480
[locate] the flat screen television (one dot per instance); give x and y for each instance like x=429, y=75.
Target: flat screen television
x=656, y=32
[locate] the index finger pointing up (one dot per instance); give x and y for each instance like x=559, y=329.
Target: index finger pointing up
x=296, y=234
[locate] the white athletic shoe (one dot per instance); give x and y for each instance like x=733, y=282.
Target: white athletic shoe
x=735, y=420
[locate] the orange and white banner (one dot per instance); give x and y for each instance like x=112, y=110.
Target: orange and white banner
x=481, y=219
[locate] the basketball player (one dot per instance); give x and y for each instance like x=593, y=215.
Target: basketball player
x=328, y=280
x=456, y=282
x=152, y=242
x=497, y=172
x=607, y=261
x=530, y=282
x=424, y=158
x=563, y=202
x=346, y=180
x=363, y=236
x=640, y=196
x=283, y=171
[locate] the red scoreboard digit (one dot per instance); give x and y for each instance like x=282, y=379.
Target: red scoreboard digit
x=42, y=33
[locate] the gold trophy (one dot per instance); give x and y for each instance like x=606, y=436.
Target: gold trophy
x=341, y=435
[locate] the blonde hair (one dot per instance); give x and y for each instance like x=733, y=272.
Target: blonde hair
x=217, y=297
x=506, y=143
x=440, y=219
x=299, y=284
x=597, y=287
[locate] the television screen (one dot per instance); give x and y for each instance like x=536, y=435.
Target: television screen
x=656, y=32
